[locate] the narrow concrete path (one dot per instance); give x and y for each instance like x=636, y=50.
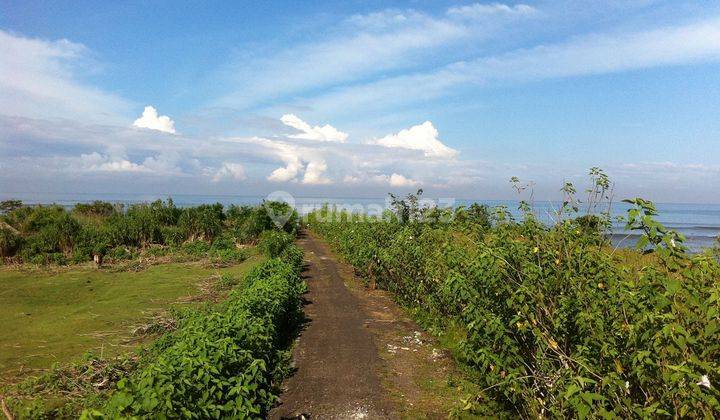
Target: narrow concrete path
x=338, y=366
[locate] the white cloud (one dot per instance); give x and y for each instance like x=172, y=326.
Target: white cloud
x=478, y=10
x=394, y=180
x=152, y=121
x=97, y=162
x=397, y=180
x=230, y=170
x=315, y=173
x=422, y=137
x=324, y=133
x=360, y=47
x=286, y=173
x=39, y=79
x=167, y=162
x=599, y=53
x=605, y=53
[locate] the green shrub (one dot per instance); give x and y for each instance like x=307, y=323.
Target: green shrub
x=90, y=240
x=228, y=256
x=10, y=242
x=156, y=251
x=555, y=324
x=120, y=253
x=226, y=363
x=8, y=206
x=173, y=235
x=247, y=223
x=57, y=258
x=273, y=242
x=37, y=259
x=96, y=208
x=97, y=227
x=227, y=281
x=198, y=248
x=223, y=242
x=204, y=222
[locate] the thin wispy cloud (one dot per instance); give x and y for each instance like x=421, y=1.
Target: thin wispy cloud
x=371, y=45
x=592, y=54
x=40, y=79
x=481, y=10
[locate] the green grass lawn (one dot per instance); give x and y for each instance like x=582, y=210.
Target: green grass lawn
x=58, y=315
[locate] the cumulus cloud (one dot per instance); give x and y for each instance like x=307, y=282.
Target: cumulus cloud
x=152, y=121
x=105, y=163
x=288, y=154
x=324, y=133
x=286, y=173
x=397, y=180
x=422, y=137
x=230, y=170
x=315, y=173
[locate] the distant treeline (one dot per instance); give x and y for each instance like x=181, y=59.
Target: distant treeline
x=53, y=234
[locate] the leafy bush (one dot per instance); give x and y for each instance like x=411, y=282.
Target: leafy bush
x=39, y=259
x=247, y=223
x=204, y=222
x=173, y=235
x=196, y=248
x=227, y=281
x=225, y=257
x=10, y=241
x=120, y=253
x=225, y=363
x=50, y=232
x=8, y=206
x=96, y=208
x=555, y=324
x=273, y=242
x=34, y=233
x=91, y=240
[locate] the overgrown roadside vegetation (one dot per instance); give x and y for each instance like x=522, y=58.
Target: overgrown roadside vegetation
x=232, y=337
x=226, y=361
x=550, y=321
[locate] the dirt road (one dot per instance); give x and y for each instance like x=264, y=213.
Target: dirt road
x=359, y=355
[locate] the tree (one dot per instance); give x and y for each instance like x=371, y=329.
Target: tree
x=9, y=205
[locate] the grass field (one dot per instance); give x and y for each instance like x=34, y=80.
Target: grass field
x=57, y=315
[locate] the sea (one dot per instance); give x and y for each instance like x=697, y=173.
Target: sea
x=700, y=223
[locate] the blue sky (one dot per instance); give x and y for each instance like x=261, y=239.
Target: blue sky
x=360, y=97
